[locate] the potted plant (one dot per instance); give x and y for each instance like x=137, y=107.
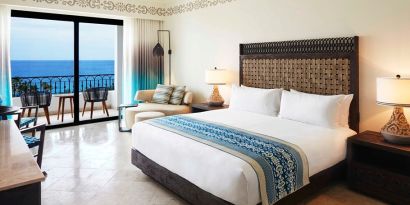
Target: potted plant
x=46, y=86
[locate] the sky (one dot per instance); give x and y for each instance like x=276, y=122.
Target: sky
x=37, y=39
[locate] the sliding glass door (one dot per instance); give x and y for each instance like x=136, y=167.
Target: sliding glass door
x=67, y=63
x=42, y=66
x=98, y=96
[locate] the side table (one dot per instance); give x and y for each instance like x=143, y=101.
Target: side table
x=61, y=103
x=121, y=112
x=202, y=107
x=378, y=168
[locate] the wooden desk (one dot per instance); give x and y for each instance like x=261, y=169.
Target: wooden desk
x=20, y=176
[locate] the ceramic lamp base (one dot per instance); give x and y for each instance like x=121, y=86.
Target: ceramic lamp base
x=215, y=100
x=397, y=130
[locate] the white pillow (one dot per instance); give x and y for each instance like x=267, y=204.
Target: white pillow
x=344, y=117
x=344, y=109
x=262, y=101
x=313, y=109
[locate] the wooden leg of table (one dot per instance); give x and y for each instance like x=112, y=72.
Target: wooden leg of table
x=105, y=107
x=71, y=107
x=92, y=109
x=85, y=104
x=59, y=107
x=62, y=110
x=47, y=114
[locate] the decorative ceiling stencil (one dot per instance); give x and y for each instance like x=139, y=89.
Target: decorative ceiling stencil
x=137, y=8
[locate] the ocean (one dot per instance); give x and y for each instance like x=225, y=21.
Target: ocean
x=30, y=68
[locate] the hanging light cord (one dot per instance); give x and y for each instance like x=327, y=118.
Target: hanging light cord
x=169, y=51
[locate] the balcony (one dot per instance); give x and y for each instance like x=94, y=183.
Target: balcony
x=62, y=85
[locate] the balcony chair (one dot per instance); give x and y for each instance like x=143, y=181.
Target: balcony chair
x=92, y=95
x=40, y=99
x=22, y=121
x=34, y=141
x=26, y=121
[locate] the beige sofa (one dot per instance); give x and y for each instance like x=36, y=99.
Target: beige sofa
x=147, y=106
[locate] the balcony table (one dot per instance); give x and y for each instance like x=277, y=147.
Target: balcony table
x=20, y=176
x=61, y=103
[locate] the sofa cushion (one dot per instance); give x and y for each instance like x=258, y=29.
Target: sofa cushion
x=177, y=95
x=142, y=116
x=187, y=98
x=167, y=109
x=144, y=95
x=162, y=94
x=24, y=121
x=31, y=141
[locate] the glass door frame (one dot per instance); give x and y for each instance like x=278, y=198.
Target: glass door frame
x=76, y=22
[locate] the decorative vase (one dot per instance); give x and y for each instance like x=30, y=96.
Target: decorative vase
x=397, y=130
x=215, y=100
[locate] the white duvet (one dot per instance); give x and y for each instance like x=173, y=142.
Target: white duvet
x=225, y=175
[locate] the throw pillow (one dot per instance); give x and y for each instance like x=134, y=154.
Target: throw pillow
x=177, y=95
x=162, y=94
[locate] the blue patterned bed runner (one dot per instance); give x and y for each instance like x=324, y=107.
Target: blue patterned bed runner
x=281, y=167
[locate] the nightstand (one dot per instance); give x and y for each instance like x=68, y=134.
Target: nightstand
x=202, y=107
x=378, y=168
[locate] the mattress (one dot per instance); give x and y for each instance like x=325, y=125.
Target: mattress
x=225, y=175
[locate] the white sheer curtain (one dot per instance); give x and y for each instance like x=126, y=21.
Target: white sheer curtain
x=141, y=70
x=5, y=72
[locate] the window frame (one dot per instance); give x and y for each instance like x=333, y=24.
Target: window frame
x=76, y=22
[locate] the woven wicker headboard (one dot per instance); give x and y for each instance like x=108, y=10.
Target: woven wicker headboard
x=320, y=66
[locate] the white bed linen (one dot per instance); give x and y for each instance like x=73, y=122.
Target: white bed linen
x=225, y=175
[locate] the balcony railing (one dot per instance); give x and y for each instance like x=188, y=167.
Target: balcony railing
x=61, y=84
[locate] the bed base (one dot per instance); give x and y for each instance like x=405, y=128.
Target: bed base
x=195, y=195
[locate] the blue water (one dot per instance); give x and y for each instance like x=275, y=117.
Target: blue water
x=28, y=68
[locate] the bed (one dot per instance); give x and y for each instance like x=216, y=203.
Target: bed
x=202, y=174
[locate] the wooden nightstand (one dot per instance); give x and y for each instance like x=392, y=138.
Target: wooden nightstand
x=378, y=168
x=202, y=107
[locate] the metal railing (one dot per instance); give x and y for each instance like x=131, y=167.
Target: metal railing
x=60, y=84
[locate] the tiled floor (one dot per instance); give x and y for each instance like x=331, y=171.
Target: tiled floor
x=90, y=164
x=98, y=113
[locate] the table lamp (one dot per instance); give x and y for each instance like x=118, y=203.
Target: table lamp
x=395, y=92
x=216, y=77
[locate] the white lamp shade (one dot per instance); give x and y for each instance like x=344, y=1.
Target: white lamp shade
x=393, y=91
x=216, y=76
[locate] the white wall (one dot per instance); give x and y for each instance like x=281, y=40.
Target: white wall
x=210, y=37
